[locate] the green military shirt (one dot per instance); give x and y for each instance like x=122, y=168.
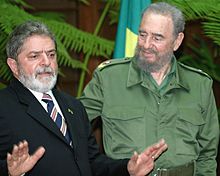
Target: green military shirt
x=135, y=115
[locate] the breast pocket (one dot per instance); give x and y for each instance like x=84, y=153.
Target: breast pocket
x=189, y=122
x=124, y=129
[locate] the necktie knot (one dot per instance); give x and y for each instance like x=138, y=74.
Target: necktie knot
x=46, y=98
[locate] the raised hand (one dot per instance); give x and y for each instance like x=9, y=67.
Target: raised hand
x=20, y=161
x=142, y=164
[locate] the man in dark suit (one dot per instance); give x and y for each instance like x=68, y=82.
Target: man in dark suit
x=36, y=118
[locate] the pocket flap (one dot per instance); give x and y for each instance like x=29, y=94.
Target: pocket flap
x=123, y=112
x=191, y=115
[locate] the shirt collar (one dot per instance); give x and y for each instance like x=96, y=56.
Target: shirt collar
x=135, y=75
x=39, y=95
x=181, y=79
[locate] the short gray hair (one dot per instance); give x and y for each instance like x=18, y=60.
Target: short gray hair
x=21, y=33
x=166, y=9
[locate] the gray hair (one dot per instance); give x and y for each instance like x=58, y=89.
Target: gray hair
x=21, y=33
x=166, y=9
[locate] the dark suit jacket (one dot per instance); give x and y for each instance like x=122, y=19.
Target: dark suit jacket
x=23, y=118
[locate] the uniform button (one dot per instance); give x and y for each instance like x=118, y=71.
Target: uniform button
x=158, y=102
x=162, y=123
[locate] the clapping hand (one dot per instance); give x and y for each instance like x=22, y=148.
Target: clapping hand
x=142, y=164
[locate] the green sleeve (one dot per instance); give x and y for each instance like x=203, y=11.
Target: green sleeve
x=209, y=133
x=92, y=97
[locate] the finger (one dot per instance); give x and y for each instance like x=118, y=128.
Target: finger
x=153, y=149
x=134, y=157
x=144, y=164
x=144, y=159
x=158, y=152
x=25, y=143
x=25, y=148
x=9, y=160
x=160, y=143
x=20, y=149
x=155, y=154
x=23, y=151
x=37, y=155
x=15, y=153
x=14, y=157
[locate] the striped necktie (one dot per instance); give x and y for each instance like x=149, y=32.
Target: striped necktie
x=56, y=116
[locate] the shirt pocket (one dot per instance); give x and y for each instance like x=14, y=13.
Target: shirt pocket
x=124, y=129
x=188, y=124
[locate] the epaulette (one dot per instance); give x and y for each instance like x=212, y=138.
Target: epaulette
x=195, y=70
x=112, y=62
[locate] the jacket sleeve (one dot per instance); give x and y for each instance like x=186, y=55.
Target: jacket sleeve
x=5, y=146
x=3, y=168
x=92, y=97
x=100, y=163
x=209, y=133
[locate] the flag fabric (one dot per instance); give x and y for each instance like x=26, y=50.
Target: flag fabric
x=129, y=21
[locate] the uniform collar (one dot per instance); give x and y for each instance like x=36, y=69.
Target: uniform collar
x=181, y=79
x=135, y=75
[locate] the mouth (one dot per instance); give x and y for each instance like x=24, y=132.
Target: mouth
x=44, y=74
x=148, y=54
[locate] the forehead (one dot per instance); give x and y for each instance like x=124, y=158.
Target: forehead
x=156, y=23
x=38, y=43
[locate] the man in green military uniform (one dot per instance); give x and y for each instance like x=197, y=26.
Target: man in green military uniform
x=152, y=96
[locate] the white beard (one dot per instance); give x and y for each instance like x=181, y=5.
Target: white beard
x=34, y=83
x=151, y=67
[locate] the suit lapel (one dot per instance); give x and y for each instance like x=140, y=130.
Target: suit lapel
x=35, y=109
x=39, y=114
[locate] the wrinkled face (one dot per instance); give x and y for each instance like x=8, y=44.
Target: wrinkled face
x=156, y=42
x=36, y=65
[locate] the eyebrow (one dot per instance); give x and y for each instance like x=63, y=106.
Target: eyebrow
x=158, y=35
x=154, y=34
x=38, y=52
x=141, y=31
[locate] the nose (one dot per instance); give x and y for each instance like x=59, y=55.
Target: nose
x=45, y=60
x=147, y=43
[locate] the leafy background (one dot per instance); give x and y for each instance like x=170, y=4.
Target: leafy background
x=69, y=38
x=202, y=52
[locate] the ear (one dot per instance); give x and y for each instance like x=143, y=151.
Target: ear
x=12, y=63
x=178, y=41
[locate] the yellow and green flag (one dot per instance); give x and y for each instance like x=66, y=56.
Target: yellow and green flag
x=129, y=20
